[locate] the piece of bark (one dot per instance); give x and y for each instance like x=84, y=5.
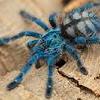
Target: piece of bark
x=74, y=86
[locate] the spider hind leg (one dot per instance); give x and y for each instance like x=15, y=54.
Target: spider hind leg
x=72, y=51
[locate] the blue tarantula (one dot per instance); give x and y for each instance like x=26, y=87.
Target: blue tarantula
x=79, y=27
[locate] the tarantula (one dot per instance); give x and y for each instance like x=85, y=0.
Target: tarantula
x=79, y=27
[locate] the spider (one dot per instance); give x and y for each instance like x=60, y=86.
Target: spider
x=79, y=27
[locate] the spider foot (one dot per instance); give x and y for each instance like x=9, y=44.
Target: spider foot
x=25, y=15
x=12, y=85
x=49, y=88
x=83, y=70
x=15, y=82
x=3, y=41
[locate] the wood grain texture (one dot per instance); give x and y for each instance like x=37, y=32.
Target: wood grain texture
x=74, y=86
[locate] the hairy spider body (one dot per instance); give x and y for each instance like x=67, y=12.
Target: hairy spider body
x=51, y=45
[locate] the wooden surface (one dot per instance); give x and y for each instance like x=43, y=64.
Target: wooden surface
x=74, y=86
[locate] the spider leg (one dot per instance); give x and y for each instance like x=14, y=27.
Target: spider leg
x=72, y=51
x=5, y=40
x=32, y=18
x=96, y=22
x=52, y=20
x=93, y=39
x=80, y=40
x=59, y=64
x=51, y=65
x=31, y=43
x=87, y=6
x=25, y=69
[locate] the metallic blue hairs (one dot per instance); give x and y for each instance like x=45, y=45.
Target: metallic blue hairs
x=79, y=27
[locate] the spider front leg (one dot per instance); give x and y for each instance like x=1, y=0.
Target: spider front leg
x=32, y=18
x=72, y=51
x=52, y=20
x=25, y=69
x=5, y=40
